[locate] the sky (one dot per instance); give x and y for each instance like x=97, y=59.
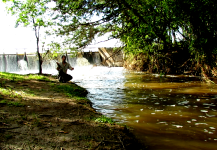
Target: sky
x=13, y=39
x=22, y=39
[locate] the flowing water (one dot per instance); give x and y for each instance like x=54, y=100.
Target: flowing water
x=173, y=112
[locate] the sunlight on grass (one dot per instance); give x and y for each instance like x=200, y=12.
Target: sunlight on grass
x=9, y=92
x=18, y=94
x=37, y=77
x=72, y=91
x=104, y=119
x=18, y=77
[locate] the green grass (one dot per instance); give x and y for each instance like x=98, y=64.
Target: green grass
x=37, y=77
x=9, y=92
x=72, y=91
x=18, y=77
x=11, y=103
x=3, y=102
x=104, y=119
x=16, y=93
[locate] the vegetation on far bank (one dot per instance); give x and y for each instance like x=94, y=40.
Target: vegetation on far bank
x=37, y=112
x=158, y=36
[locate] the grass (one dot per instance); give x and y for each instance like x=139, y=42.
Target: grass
x=38, y=77
x=18, y=77
x=16, y=93
x=9, y=92
x=104, y=119
x=44, y=115
x=72, y=91
x=11, y=103
x=101, y=119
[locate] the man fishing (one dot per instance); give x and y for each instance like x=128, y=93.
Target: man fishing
x=62, y=68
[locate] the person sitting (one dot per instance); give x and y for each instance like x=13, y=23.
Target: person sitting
x=62, y=68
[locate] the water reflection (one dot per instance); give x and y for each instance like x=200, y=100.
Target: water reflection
x=176, y=112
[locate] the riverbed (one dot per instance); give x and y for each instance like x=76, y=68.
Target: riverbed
x=172, y=112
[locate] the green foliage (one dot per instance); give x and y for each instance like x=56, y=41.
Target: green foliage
x=3, y=102
x=32, y=13
x=152, y=27
x=29, y=12
x=72, y=91
x=18, y=77
x=145, y=26
x=104, y=119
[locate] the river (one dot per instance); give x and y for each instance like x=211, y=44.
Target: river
x=172, y=112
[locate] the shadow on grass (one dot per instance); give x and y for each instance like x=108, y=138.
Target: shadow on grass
x=55, y=125
x=49, y=115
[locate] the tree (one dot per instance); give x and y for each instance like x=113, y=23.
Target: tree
x=31, y=13
x=145, y=26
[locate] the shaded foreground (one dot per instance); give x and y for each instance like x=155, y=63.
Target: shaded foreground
x=37, y=112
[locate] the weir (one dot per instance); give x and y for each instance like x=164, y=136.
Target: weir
x=23, y=62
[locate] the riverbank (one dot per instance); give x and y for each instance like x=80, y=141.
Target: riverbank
x=37, y=112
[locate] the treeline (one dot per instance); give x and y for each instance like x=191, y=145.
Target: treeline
x=170, y=36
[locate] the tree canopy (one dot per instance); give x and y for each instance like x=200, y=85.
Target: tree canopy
x=144, y=26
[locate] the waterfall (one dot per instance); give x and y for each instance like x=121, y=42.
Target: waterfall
x=93, y=57
x=81, y=61
x=2, y=63
x=72, y=60
x=32, y=62
x=29, y=63
x=12, y=64
x=97, y=58
x=22, y=64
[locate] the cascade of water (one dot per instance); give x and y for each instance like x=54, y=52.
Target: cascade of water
x=29, y=63
x=92, y=57
x=12, y=64
x=49, y=65
x=96, y=58
x=22, y=64
x=32, y=62
x=72, y=60
x=81, y=61
x=2, y=66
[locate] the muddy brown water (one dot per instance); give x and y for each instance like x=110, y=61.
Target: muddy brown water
x=173, y=112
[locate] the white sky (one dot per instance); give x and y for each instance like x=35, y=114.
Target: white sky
x=13, y=39
x=22, y=39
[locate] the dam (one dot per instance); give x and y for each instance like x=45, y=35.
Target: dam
x=24, y=62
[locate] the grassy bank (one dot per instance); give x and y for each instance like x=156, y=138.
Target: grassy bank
x=37, y=112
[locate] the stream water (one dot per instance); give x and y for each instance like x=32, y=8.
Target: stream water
x=173, y=112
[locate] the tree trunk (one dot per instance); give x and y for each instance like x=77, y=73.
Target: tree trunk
x=39, y=58
x=37, y=41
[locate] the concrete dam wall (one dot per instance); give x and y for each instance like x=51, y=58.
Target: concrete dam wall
x=21, y=62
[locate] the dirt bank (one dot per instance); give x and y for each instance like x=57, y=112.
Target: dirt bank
x=37, y=112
